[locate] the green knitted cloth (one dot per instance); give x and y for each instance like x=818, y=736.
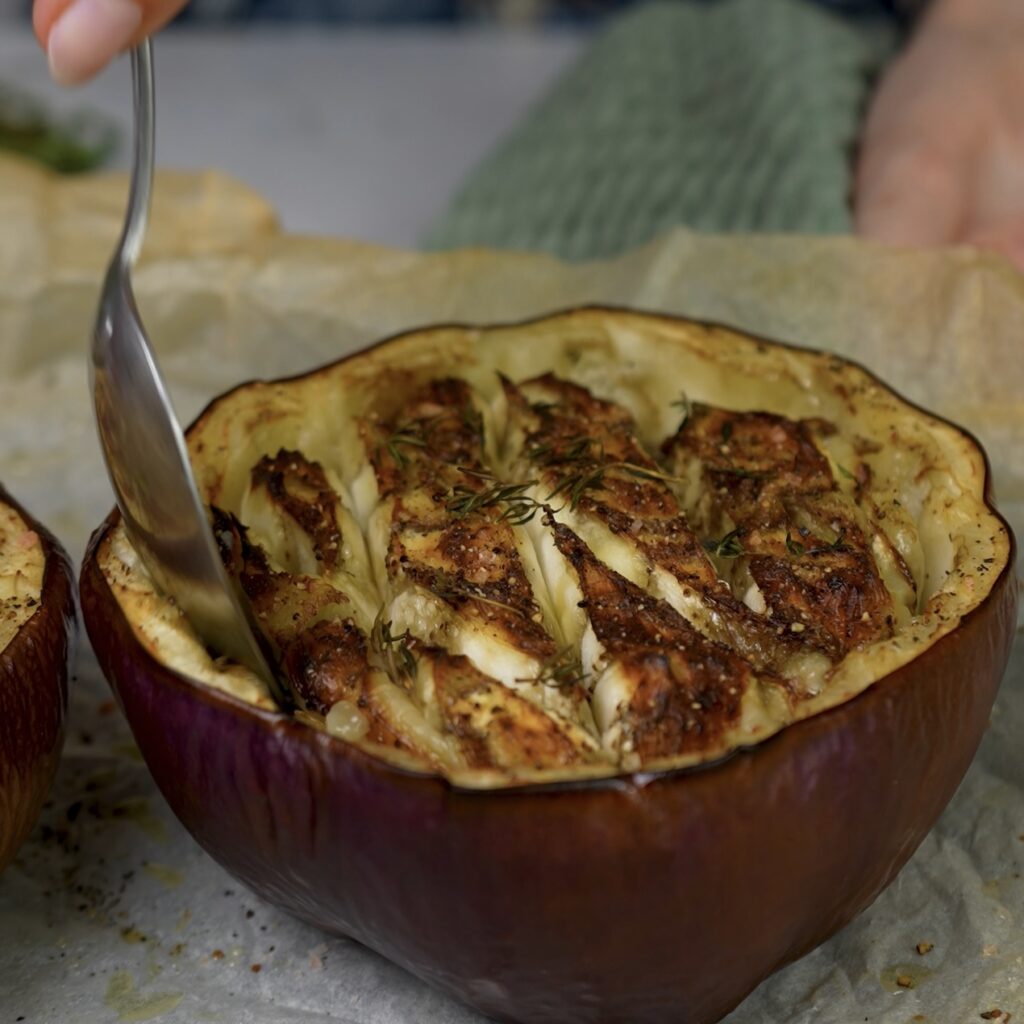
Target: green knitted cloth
x=737, y=115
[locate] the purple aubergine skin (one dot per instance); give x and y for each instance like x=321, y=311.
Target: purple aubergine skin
x=34, y=695
x=624, y=900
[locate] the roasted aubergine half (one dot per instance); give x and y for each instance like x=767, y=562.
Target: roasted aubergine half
x=600, y=544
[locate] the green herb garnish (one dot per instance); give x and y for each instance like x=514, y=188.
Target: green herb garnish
x=519, y=507
x=394, y=652
x=839, y=544
x=644, y=472
x=473, y=421
x=412, y=435
x=683, y=402
x=563, y=669
x=548, y=453
x=575, y=485
x=728, y=546
x=583, y=464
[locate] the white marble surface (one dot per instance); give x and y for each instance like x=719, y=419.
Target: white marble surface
x=361, y=133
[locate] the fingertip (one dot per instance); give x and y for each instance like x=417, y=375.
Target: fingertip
x=88, y=35
x=44, y=14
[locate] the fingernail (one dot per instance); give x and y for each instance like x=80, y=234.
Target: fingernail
x=88, y=35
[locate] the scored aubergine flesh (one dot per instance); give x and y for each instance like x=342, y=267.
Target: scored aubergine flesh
x=558, y=596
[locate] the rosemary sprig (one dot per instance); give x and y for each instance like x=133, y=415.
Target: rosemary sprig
x=591, y=476
x=473, y=421
x=519, y=507
x=413, y=435
x=728, y=546
x=843, y=471
x=644, y=472
x=575, y=484
x=416, y=433
x=574, y=449
x=794, y=547
x=563, y=670
x=450, y=589
x=583, y=464
x=394, y=652
x=726, y=431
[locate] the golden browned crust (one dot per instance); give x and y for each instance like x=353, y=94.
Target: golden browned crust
x=498, y=729
x=327, y=663
x=587, y=455
x=21, y=572
x=589, y=458
x=772, y=490
x=301, y=490
x=682, y=690
x=448, y=532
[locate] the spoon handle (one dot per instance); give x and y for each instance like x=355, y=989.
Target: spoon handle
x=144, y=109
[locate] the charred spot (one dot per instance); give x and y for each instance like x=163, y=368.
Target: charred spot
x=240, y=556
x=560, y=399
x=837, y=600
x=513, y=733
x=326, y=664
x=745, y=453
x=680, y=703
x=301, y=490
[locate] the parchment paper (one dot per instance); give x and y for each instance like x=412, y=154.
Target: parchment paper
x=112, y=913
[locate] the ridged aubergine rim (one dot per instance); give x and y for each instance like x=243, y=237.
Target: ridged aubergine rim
x=30, y=653
x=279, y=720
x=53, y=596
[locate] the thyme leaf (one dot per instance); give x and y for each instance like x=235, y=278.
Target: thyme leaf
x=728, y=546
x=838, y=545
x=583, y=465
x=683, y=402
x=563, y=670
x=393, y=651
x=572, y=450
x=794, y=547
x=473, y=421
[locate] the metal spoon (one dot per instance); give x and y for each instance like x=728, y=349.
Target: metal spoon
x=143, y=443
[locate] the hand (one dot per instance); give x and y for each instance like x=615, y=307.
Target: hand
x=942, y=152
x=82, y=36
